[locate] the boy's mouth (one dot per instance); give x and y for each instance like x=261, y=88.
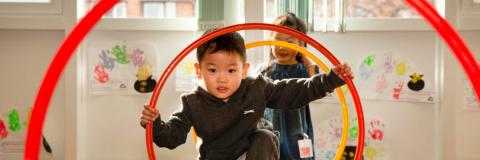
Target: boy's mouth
x=222, y=89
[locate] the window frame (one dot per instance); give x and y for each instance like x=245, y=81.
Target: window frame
x=469, y=15
x=377, y=24
x=115, y=10
x=42, y=16
x=54, y=7
x=137, y=24
x=24, y=1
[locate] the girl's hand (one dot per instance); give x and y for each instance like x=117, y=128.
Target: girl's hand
x=148, y=115
x=343, y=70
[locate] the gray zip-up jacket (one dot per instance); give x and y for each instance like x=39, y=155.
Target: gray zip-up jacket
x=224, y=127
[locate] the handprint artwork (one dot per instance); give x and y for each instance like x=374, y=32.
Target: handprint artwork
x=395, y=77
x=328, y=133
x=100, y=74
x=376, y=131
x=117, y=68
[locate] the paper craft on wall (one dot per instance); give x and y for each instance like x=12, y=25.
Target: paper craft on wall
x=13, y=126
x=328, y=134
x=122, y=67
x=471, y=102
x=393, y=77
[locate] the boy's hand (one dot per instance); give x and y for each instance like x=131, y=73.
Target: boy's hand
x=342, y=71
x=148, y=115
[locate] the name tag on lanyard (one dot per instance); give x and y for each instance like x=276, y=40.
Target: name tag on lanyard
x=305, y=147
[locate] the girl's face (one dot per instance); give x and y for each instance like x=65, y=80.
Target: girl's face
x=285, y=55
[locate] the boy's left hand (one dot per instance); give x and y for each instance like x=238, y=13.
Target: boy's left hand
x=343, y=70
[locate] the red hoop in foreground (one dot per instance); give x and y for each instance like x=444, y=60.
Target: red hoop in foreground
x=56, y=67
x=254, y=26
x=71, y=42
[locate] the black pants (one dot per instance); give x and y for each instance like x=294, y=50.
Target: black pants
x=264, y=145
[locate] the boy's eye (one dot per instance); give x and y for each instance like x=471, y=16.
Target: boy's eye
x=232, y=71
x=211, y=70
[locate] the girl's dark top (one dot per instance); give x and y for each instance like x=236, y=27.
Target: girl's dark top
x=293, y=124
x=224, y=127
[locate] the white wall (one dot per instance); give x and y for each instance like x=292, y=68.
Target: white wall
x=113, y=121
x=25, y=58
x=409, y=127
x=467, y=132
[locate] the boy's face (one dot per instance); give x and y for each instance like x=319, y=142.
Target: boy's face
x=221, y=73
x=285, y=55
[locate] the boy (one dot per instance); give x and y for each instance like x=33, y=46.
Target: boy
x=227, y=106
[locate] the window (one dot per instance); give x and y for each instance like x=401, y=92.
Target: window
x=118, y=11
x=361, y=15
x=368, y=9
x=151, y=14
x=159, y=9
x=381, y=9
x=153, y=10
x=270, y=10
x=324, y=12
x=358, y=15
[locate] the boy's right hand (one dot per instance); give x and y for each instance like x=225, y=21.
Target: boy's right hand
x=343, y=70
x=148, y=115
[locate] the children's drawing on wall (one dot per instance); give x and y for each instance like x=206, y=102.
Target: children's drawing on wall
x=394, y=77
x=122, y=67
x=328, y=134
x=416, y=83
x=471, y=102
x=13, y=126
x=367, y=67
x=185, y=79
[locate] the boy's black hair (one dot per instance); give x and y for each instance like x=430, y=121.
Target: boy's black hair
x=230, y=42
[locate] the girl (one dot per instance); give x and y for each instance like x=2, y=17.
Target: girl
x=293, y=125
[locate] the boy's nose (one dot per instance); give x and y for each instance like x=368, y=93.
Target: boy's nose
x=222, y=78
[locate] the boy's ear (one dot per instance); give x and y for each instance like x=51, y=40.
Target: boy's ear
x=197, y=71
x=245, y=70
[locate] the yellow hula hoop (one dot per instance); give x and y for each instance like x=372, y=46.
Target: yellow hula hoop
x=343, y=140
